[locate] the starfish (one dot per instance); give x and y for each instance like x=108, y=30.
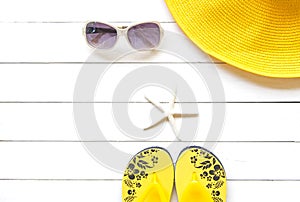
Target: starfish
x=169, y=115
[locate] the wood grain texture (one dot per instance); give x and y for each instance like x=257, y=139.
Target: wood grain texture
x=94, y=191
x=62, y=11
x=56, y=83
x=250, y=122
x=70, y=160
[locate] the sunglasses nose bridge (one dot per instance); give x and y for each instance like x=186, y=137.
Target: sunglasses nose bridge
x=122, y=30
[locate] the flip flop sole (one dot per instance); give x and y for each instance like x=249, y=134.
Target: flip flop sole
x=200, y=176
x=149, y=177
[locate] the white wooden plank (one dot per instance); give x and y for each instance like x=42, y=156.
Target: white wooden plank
x=247, y=86
x=113, y=10
x=65, y=160
x=55, y=122
x=56, y=82
x=92, y=191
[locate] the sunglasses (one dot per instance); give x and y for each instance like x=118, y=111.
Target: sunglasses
x=142, y=36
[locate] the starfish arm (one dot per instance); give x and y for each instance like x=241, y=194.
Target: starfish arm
x=155, y=104
x=172, y=102
x=185, y=115
x=173, y=125
x=156, y=124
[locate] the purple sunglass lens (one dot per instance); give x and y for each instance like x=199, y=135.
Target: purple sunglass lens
x=144, y=36
x=101, y=36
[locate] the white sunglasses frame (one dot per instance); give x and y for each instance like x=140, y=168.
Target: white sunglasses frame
x=123, y=31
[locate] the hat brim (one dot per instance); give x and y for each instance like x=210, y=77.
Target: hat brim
x=257, y=36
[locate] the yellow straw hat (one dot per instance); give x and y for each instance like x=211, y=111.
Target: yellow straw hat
x=259, y=36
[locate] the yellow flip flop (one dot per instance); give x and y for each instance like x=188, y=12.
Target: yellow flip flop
x=149, y=177
x=199, y=176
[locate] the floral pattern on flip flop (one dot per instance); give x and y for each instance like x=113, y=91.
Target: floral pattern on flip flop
x=212, y=171
x=136, y=172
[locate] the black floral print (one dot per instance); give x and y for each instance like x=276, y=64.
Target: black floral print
x=194, y=160
x=131, y=192
x=154, y=159
x=138, y=185
x=217, y=172
x=204, y=175
x=138, y=177
x=136, y=172
x=215, y=193
x=212, y=171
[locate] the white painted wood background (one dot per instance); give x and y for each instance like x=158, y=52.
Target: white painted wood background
x=41, y=157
